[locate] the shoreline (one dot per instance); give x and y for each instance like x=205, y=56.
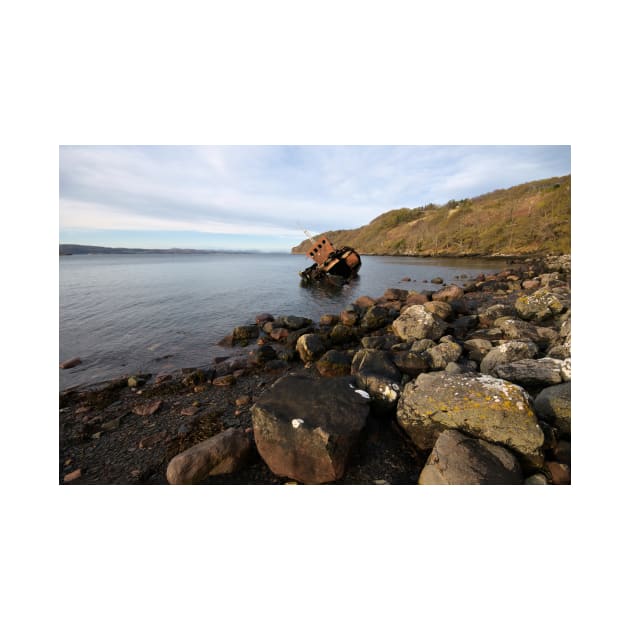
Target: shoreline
x=127, y=430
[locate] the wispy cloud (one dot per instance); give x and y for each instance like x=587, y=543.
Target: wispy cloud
x=273, y=191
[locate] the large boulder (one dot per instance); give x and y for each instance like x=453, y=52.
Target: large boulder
x=334, y=363
x=481, y=406
x=507, y=353
x=310, y=347
x=378, y=375
x=375, y=317
x=553, y=404
x=306, y=428
x=531, y=372
x=458, y=459
x=448, y=293
x=220, y=454
x=443, y=353
x=418, y=323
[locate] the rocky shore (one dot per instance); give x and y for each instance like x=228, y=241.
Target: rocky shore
x=454, y=384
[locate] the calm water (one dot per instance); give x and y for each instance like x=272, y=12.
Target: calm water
x=157, y=312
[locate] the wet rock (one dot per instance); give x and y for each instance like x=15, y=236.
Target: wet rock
x=294, y=335
x=294, y=323
x=507, y=353
x=195, y=377
x=560, y=473
x=334, y=363
x=448, y=293
x=70, y=363
x=224, y=381
x=553, y=404
x=378, y=375
x=245, y=333
x=310, y=347
x=442, y=309
x=163, y=378
x=418, y=323
x=375, y=317
x=306, y=428
x=481, y=406
x=279, y=334
x=138, y=380
x=532, y=373
x=147, y=409
x=263, y=318
x=442, y=354
x=437, y=280
x=458, y=459
x=221, y=454
x=230, y=366
x=349, y=316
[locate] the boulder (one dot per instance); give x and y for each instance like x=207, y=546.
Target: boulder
x=279, y=334
x=245, y=333
x=411, y=363
x=263, y=318
x=349, y=316
x=396, y=294
x=538, y=306
x=293, y=322
x=531, y=372
x=458, y=459
x=519, y=329
x=477, y=348
x=262, y=354
x=328, y=319
x=365, y=301
x=448, y=293
x=378, y=375
x=416, y=298
x=223, y=453
x=310, y=347
x=553, y=404
x=305, y=429
x=418, y=323
x=481, y=406
x=379, y=342
x=334, y=363
x=341, y=334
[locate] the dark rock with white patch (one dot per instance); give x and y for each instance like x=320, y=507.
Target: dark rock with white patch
x=378, y=375
x=507, y=353
x=531, y=373
x=305, y=429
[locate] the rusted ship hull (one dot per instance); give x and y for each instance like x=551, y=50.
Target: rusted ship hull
x=331, y=263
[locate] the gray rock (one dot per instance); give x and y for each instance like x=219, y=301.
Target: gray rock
x=481, y=406
x=458, y=459
x=223, y=453
x=306, y=428
x=507, y=353
x=538, y=306
x=443, y=310
x=477, y=348
x=531, y=372
x=418, y=323
x=375, y=317
x=553, y=404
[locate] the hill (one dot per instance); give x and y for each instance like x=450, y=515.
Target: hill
x=67, y=249
x=528, y=219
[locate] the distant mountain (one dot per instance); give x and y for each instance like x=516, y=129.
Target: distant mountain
x=68, y=250
x=532, y=218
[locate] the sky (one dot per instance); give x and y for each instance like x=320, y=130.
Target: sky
x=263, y=197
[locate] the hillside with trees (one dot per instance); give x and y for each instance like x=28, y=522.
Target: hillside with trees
x=531, y=218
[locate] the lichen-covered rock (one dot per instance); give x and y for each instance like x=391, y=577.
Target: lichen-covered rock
x=244, y=333
x=553, y=404
x=507, y=353
x=443, y=310
x=306, y=428
x=310, y=347
x=531, y=372
x=481, y=406
x=521, y=330
x=418, y=323
x=378, y=375
x=375, y=317
x=538, y=306
x=223, y=453
x=458, y=459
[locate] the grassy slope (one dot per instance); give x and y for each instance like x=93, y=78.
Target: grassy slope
x=532, y=218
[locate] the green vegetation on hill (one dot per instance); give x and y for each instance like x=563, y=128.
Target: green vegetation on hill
x=532, y=218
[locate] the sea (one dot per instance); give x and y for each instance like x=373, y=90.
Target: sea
x=153, y=313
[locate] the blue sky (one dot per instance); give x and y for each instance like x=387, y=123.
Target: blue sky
x=261, y=197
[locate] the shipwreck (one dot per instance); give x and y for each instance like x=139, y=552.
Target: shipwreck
x=331, y=264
